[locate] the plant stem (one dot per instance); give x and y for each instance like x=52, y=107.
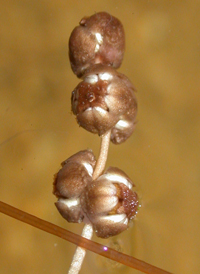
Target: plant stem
x=101, y=162
x=87, y=232
x=80, y=252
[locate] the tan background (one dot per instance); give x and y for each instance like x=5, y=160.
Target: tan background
x=38, y=131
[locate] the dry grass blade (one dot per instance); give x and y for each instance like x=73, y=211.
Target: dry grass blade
x=80, y=241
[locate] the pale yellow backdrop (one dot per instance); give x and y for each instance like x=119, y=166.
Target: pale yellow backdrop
x=38, y=131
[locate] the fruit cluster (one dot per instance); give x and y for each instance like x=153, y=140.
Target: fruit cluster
x=103, y=102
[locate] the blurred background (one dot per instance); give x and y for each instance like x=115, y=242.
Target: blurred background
x=38, y=131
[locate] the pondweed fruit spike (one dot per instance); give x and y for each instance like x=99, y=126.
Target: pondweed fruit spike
x=104, y=103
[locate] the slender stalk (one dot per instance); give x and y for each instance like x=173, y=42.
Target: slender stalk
x=101, y=162
x=78, y=240
x=80, y=252
x=87, y=232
